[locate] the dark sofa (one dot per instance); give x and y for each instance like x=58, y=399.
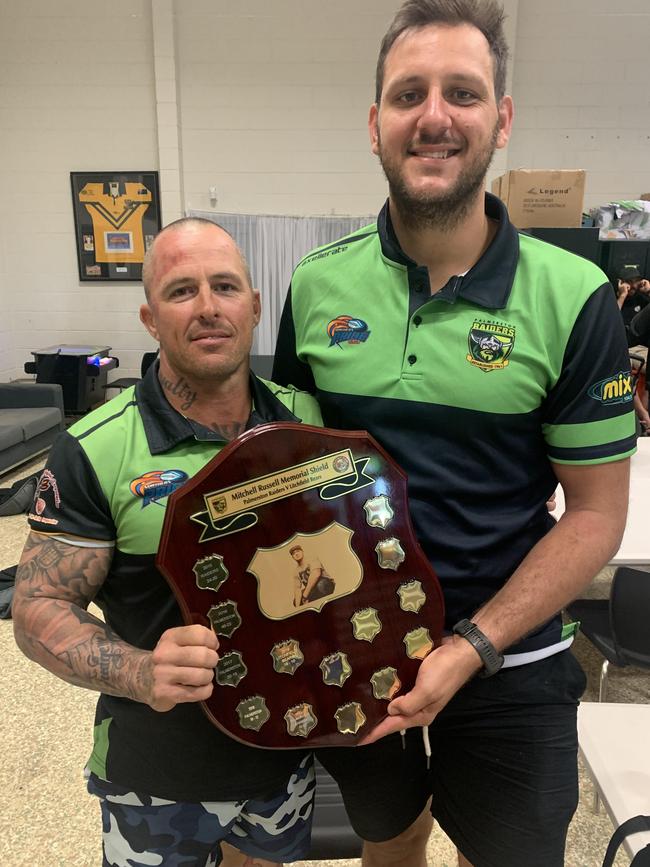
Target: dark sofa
x=31, y=415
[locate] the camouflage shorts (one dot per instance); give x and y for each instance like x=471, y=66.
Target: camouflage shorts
x=139, y=830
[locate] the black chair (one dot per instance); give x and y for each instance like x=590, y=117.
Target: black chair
x=332, y=835
x=148, y=359
x=618, y=626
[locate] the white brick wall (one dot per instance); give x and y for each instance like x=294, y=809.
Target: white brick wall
x=267, y=101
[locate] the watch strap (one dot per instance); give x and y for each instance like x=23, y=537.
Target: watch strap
x=490, y=657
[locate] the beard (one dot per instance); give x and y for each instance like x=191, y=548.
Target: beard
x=444, y=211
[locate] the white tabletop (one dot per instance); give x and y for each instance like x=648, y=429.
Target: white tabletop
x=615, y=746
x=635, y=547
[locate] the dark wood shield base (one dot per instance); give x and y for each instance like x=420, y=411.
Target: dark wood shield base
x=297, y=674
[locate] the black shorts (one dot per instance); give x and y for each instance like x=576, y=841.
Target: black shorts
x=384, y=787
x=503, y=772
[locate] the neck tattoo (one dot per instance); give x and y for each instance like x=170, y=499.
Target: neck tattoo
x=180, y=389
x=227, y=431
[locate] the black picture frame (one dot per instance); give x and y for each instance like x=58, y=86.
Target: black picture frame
x=116, y=216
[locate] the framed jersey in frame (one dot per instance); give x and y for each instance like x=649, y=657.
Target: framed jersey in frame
x=116, y=215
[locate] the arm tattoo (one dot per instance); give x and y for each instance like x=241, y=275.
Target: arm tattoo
x=55, y=583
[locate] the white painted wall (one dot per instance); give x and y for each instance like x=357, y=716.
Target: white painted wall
x=274, y=104
x=6, y=332
x=267, y=101
x=76, y=93
x=581, y=93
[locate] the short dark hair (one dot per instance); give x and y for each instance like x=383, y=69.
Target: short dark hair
x=486, y=15
x=147, y=264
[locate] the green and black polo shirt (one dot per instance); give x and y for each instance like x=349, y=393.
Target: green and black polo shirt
x=475, y=391
x=109, y=477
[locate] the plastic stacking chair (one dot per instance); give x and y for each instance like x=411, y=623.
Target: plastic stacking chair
x=618, y=626
x=332, y=835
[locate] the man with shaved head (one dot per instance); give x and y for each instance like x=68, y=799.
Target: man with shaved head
x=173, y=788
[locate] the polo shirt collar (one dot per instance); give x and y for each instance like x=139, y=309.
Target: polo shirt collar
x=489, y=282
x=165, y=428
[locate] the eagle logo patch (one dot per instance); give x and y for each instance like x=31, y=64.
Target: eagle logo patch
x=347, y=329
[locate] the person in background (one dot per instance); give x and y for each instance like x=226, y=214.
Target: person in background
x=490, y=366
x=639, y=327
x=632, y=296
x=639, y=338
x=173, y=788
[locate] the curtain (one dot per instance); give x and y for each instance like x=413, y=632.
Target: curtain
x=273, y=246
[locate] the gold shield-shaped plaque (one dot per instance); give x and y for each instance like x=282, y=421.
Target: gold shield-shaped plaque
x=287, y=656
x=253, y=712
x=300, y=720
x=225, y=618
x=366, y=624
x=418, y=643
x=349, y=718
x=390, y=554
x=336, y=669
x=378, y=511
x=231, y=669
x=411, y=596
x=385, y=683
x=210, y=572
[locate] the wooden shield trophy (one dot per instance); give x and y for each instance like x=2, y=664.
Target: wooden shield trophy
x=295, y=545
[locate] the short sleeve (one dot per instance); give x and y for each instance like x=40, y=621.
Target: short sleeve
x=588, y=415
x=69, y=501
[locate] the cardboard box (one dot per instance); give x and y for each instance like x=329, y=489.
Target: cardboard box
x=538, y=198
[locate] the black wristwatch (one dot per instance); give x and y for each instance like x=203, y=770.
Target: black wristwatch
x=492, y=660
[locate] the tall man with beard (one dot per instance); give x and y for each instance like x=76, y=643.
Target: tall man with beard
x=484, y=361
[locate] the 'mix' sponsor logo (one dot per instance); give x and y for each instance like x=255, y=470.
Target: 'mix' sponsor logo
x=615, y=389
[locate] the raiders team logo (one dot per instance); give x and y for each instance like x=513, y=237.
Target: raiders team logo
x=490, y=344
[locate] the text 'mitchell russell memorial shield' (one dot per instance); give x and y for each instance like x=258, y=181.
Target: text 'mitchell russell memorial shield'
x=295, y=545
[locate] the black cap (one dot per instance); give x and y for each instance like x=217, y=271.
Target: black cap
x=629, y=272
